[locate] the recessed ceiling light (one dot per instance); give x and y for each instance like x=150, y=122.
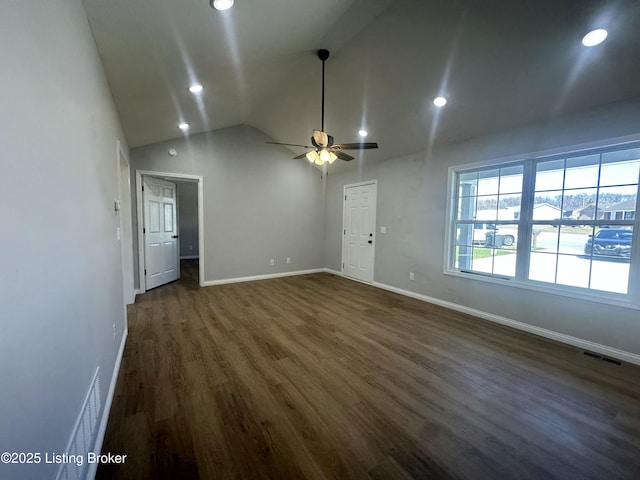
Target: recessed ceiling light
x=221, y=4
x=183, y=126
x=594, y=37
x=196, y=88
x=439, y=101
x=363, y=133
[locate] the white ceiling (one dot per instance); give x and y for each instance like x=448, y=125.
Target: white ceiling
x=501, y=63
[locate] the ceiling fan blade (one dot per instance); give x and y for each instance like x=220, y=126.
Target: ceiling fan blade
x=302, y=155
x=341, y=155
x=356, y=146
x=290, y=144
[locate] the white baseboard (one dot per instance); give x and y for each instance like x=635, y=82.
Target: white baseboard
x=136, y=292
x=93, y=468
x=224, y=281
x=333, y=272
x=542, y=332
x=189, y=257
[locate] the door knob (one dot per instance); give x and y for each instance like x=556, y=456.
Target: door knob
x=370, y=241
x=175, y=236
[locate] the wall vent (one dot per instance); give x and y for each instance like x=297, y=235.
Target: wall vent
x=83, y=435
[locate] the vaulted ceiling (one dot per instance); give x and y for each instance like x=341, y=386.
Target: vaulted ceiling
x=500, y=63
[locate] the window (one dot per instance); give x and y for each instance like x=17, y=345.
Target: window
x=564, y=222
x=488, y=196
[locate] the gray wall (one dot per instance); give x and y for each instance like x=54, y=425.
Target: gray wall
x=61, y=288
x=412, y=203
x=188, y=218
x=259, y=203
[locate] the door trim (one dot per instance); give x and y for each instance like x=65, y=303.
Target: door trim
x=123, y=210
x=140, y=219
x=344, y=227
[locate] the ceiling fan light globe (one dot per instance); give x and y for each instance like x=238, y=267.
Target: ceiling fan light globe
x=325, y=155
x=313, y=157
x=332, y=157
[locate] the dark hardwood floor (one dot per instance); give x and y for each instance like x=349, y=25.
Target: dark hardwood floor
x=321, y=377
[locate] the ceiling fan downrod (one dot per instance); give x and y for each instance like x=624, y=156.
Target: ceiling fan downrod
x=323, y=54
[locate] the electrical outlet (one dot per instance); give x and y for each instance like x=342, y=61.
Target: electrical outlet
x=412, y=276
x=114, y=331
x=190, y=247
x=288, y=259
x=272, y=262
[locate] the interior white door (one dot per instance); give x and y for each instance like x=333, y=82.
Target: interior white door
x=359, y=231
x=160, y=232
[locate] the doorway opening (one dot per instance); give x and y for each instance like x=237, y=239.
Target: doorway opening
x=159, y=225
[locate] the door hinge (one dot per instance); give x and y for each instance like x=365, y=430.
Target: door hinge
x=144, y=230
x=345, y=197
x=345, y=232
x=145, y=271
x=143, y=188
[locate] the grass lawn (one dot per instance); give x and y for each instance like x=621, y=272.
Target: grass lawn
x=483, y=252
x=486, y=252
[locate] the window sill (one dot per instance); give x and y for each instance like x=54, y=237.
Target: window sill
x=618, y=300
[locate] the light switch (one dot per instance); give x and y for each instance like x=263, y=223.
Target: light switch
x=383, y=229
x=118, y=233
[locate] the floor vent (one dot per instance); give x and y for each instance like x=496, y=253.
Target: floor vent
x=594, y=355
x=612, y=360
x=603, y=358
x=83, y=436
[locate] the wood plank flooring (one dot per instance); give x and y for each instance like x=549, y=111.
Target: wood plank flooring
x=319, y=377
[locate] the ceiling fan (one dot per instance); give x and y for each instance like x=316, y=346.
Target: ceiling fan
x=322, y=149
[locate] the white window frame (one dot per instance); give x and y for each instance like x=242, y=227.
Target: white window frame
x=629, y=300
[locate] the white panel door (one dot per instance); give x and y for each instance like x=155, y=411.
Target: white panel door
x=359, y=231
x=160, y=232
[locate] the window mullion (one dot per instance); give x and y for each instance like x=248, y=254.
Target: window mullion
x=525, y=224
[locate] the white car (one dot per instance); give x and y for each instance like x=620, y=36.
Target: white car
x=510, y=235
x=480, y=232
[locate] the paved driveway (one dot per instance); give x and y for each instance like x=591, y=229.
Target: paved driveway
x=569, y=267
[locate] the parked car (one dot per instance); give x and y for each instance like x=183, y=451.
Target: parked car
x=480, y=233
x=509, y=234
x=610, y=242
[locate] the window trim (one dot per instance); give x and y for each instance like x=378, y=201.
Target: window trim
x=629, y=300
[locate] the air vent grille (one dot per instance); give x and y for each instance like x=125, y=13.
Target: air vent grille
x=603, y=358
x=83, y=436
